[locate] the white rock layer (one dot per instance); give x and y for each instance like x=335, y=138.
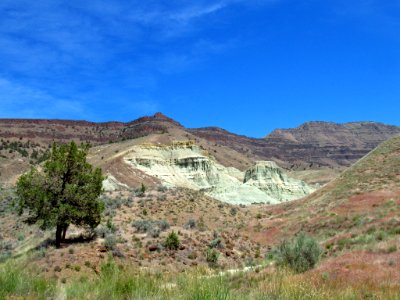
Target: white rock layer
x=185, y=165
x=268, y=177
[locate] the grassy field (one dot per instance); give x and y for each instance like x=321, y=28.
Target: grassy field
x=116, y=281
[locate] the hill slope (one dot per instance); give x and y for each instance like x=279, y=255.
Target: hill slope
x=365, y=195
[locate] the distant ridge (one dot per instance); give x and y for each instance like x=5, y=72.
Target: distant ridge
x=45, y=131
x=312, y=145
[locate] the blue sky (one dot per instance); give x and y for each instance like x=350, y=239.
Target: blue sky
x=249, y=66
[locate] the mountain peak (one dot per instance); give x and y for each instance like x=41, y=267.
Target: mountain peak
x=158, y=116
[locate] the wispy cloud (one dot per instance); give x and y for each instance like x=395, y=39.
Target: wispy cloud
x=56, y=55
x=19, y=101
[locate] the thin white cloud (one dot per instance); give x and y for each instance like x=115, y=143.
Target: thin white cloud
x=18, y=101
x=49, y=48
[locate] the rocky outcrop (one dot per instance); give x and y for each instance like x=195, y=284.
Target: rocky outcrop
x=186, y=165
x=181, y=165
x=268, y=177
x=112, y=184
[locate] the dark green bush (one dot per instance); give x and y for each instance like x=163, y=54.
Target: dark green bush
x=172, y=241
x=300, y=254
x=212, y=256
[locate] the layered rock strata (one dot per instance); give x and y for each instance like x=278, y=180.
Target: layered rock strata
x=184, y=164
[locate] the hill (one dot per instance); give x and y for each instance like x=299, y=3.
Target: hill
x=312, y=145
x=316, y=151
x=356, y=217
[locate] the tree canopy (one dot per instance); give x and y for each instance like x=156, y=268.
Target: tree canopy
x=65, y=191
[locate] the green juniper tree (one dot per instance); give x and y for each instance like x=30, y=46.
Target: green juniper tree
x=64, y=192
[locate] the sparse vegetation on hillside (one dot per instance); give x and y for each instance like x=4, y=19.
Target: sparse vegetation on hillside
x=357, y=229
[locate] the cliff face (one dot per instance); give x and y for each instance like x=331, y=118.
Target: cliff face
x=268, y=177
x=186, y=165
x=311, y=145
x=183, y=166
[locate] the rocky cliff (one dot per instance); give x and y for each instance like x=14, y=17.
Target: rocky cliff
x=186, y=165
x=268, y=177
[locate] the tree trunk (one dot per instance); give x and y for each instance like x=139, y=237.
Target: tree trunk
x=58, y=236
x=64, y=232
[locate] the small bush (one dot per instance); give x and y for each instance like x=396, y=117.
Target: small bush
x=162, y=188
x=155, y=232
x=190, y=224
x=21, y=237
x=142, y=225
x=102, y=231
x=163, y=225
x=57, y=269
x=150, y=226
x=216, y=243
x=300, y=255
x=172, y=241
x=212, y=256
x=111, y=226
x=110, y=241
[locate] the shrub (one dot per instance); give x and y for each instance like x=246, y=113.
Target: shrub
x=212, y=256
x=233, y=211
x=57, y=269
x=140, y=192
x=163, y=225
x=190, y=224
x=162, y=189
x=142, y=225
x=155, y=232
x=20, y=236
x=102, y=231
x=172, y=241
x=300, y=255
x=216, y=243
x=111, y=226
x=110, y=241
x=150, y=226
